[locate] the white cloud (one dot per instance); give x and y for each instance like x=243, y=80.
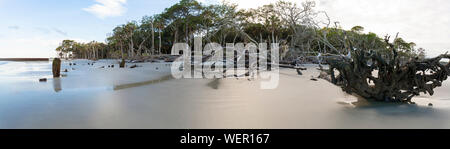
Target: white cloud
x=245, y=4
x=28, y=47
x=29, y=42
x=107, y=8
x=60, y=32
x=32, y=47
x=424, y=22
x=15, y=27
x=209, y=1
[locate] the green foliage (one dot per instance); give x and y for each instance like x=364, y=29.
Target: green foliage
x=283, y=22
x=357, y=29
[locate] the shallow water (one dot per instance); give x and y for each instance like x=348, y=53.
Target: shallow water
x=144, y=97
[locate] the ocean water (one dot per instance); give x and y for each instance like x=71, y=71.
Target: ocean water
x=147, y=97
x=24, y=70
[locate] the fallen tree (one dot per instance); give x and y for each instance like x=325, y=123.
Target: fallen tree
x=386, y=77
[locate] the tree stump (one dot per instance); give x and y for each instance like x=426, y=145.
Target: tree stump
x=122, y=63
x=56, y=68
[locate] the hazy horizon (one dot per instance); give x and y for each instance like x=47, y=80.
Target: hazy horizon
x=33, y=29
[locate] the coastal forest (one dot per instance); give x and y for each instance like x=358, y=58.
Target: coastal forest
x=363, y=63
x=300, y=29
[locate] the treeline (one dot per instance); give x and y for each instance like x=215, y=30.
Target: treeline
x=300, y=29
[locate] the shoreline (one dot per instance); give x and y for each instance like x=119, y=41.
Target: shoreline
x=24, y=59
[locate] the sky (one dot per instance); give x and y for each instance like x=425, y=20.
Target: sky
x=34, y=28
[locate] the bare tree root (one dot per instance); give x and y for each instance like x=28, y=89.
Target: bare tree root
x=386, y=77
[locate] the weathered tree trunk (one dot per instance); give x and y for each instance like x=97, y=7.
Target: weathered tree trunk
x=175, y=38
x=370, y=75
x=121, y=50
x=187, y=33
x=160, y=44
x=142, y=45
x=131, y=49
x=122, y=64
x=56, y=68
x=153, y=40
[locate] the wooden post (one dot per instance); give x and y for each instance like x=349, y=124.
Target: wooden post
x=56, y=69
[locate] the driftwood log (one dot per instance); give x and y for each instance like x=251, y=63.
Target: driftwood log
x=385, y=77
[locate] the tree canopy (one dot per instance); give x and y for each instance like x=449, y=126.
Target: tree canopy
x=299, y=27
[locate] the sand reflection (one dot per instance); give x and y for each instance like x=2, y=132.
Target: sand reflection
x=57, y=84
x=144, y=83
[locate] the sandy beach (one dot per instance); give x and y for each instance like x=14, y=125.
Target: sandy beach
x=147, y=97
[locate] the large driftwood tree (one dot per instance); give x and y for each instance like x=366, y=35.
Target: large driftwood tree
x=387, y=77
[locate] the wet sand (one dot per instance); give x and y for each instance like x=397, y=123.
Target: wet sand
x=144, y=97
